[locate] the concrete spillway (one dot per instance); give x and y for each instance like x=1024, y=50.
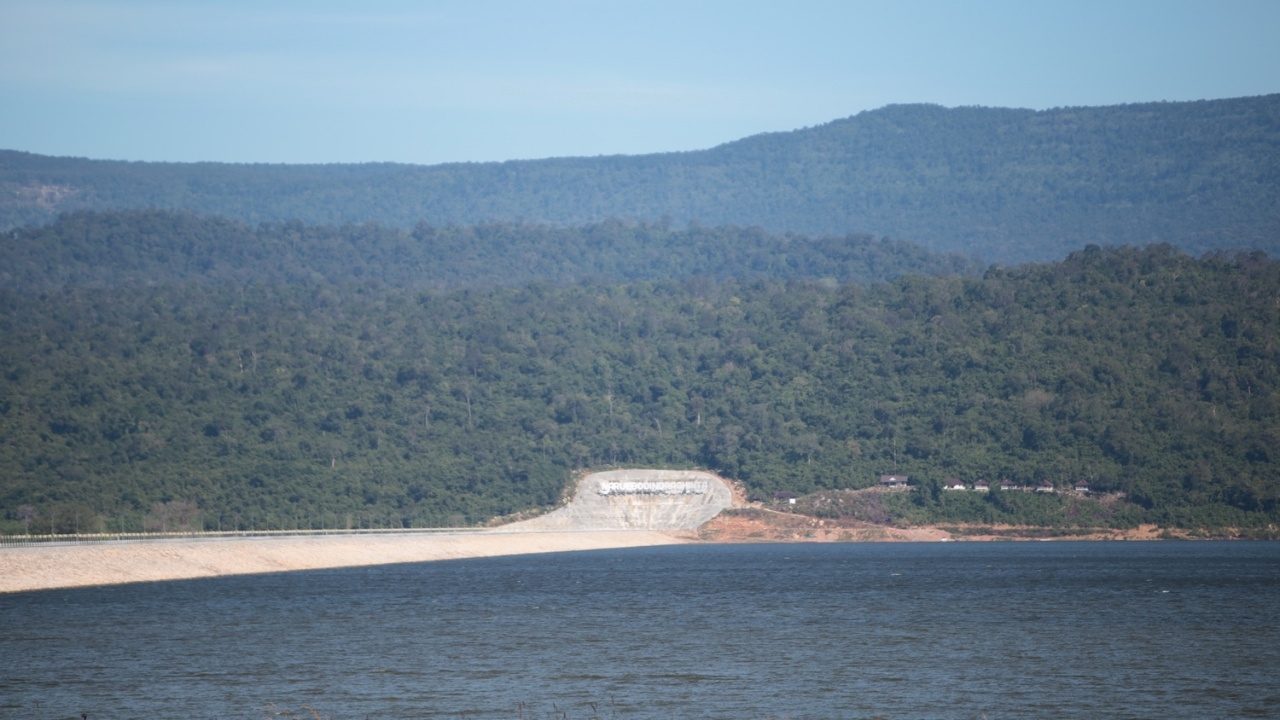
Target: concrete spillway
x=638, y=500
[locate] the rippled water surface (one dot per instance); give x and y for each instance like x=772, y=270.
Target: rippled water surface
x=959, y=630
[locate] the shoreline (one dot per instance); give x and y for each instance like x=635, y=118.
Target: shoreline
x=118, y=562
x=55, y=567
x=756, y=524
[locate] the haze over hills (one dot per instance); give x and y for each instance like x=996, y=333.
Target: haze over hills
x=1005, y=185
x=105, y=249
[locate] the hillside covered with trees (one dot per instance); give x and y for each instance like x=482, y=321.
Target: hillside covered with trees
x=1001, y=184
x=360, y=400
x=88, y=249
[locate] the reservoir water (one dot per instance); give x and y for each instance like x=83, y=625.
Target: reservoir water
x=948, y=630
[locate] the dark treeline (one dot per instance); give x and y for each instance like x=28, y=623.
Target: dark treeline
x=1007, y=185
x=89, y=249
x=361, y=402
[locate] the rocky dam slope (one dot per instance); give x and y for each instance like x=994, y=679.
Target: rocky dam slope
x=638, y=500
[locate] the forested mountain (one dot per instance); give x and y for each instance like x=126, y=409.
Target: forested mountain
x=388, y=345
x=89, y=249
x=1005, y=185
x=309, y=403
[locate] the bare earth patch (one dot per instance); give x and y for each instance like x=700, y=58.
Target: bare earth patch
x=761, y=525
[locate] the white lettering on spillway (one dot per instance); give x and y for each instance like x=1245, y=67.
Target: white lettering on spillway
x=632, y=487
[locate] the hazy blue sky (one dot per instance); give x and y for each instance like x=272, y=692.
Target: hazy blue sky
x=428, y=82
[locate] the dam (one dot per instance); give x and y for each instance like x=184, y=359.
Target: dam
x=638, y=500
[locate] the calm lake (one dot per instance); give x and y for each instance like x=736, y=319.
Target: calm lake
x=946, y=630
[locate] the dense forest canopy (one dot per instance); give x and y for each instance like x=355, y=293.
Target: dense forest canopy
x=91, y=249
x=286, y=401
x=1005, y=185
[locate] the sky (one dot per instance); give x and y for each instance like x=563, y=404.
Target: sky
x=488, y=80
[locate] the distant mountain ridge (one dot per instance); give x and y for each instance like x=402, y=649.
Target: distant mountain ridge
x=1007, y=185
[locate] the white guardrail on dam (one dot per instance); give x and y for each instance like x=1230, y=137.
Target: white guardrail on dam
x=631, y=487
